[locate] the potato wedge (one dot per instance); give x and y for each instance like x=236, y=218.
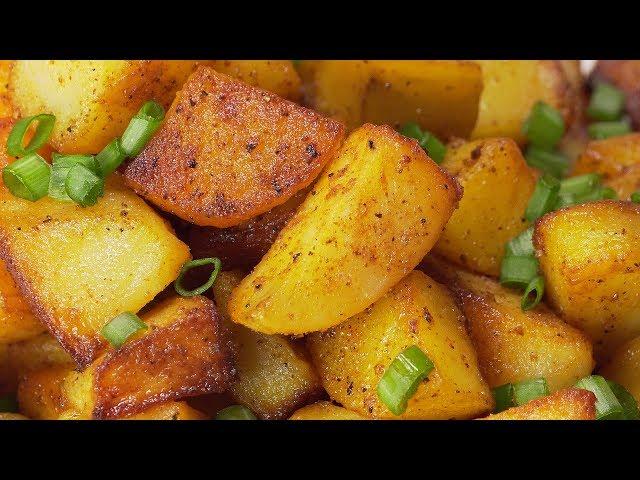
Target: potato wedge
x=441, y=96
x=370, y=218
x=277, y=76
x=275, y=375
x=352, y=357
x=6, y=108
x=244, y=245
x=228, y=152
x=624, y=367
x=624, y=74
x=513, y=345
x=512, y=87
x=184, y=353
x=80, y=267
x=497, y=185
x=611, y=157
x=591, y=263
x=568, y=404
x=324, y=411
x=93, y=100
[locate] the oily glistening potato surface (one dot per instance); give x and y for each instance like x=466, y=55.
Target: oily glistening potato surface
x=569, y=404
x=368, y=221
x=497, y=184
x=624, y=367
x=513, y=345
x=228, y=152
x=590, y=259
x=610, y=157
x=352, y=357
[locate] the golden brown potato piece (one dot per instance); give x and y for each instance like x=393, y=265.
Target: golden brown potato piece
x=513, y=345
x=115, y=257
x=277, y=76
x=6, y=109
x=93, y=100
x=512, y=87
x=624, y=367
x=324, y=411
x=591, y=263
x=228, y=152
x=369, y=220
x=244, y=245
x=12, y=416
x=275, y=376
x=497, y=185
x=352, y=357
x=441, y=96
x=568, y=404
x=624, y=74
x=185, y=352
x=169, y=411
x=610, y=157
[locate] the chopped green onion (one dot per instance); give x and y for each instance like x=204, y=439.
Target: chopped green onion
x=518, y=271
x=83, y=186
x=141, y=128
x=60, y=169
x=544, y=198
x=528, y=390
x=503, y=396
x=28, y=177
x=532, y=294
x=544, y=127
x=608, y=406
x=118, y=330
x=602, y=130
x=635, y=197
x=522, y=245
x=235, y=412
x=412, y=130
x=607, y=102
x=565, y=200
x=599, y=193
x=427, y=140
x=43, y=131
x=110, y=158
x=197, y=263
x=401, y=380
x=553, y=163
x=628, y=402
x=8, y=403
x=580, y=185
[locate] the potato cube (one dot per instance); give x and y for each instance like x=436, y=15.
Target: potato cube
x=369, y=220
x=324, y=411
x=624, y=367
x=569, y=404
x=497, y=185
x=277, y=76
x=352, y=357
x=610, y=157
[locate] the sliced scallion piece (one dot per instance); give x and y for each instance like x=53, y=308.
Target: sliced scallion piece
x=118, y=330
x=518, y=271
x=608, y=406
x=141, y=128
x=60, y=169
x=533, y=293
x=528, y=390
x=544, y=127
x=553, y=163
x=544, y=197
x=607, y=102
x=217, y=265
x=27, y=177
x=15, y=141
x=83, y=186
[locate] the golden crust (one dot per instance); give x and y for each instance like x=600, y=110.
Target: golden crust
x=568, y=404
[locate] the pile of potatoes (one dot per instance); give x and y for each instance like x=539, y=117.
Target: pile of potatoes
x=343, y=243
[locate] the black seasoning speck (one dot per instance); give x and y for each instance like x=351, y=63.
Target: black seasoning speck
x=372, y=145
x=252, y=145
x=192, y=163
x=379, y=215
x=295, y=256
x=311, y=150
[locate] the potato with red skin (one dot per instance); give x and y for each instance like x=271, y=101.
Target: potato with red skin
x=228, y=152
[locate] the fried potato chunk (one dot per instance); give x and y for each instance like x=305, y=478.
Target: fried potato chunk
x=624, y=367
x=6, y=108
x=352, y=357
x=568, y=404
x=610, y=157
x=277, y=76
x=324, y=411
x=228, y=151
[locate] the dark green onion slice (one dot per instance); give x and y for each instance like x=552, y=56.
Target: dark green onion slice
x=193, y=264
x=60, y=169
x=607, y=102
x=412, y=130
x=553, y=163
x=118, y=330
x=235, y=412
x=599, y=193
x=518, y=271
x=544, y=197
x=434, y=147
x=635, y=197
x=110, y=158
x=141, y=128
x=580, y=185
x=15, y=140
x=565, y=200
x=522, y=245
x=27, y=177
x=533, y=294
x=528, y=390
x=83, y=186
x=602, y=130
x=503, y=396
x=628, y=402
x=608, y=406
x=8, y=403
x=401, y=380
x=544, y=127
